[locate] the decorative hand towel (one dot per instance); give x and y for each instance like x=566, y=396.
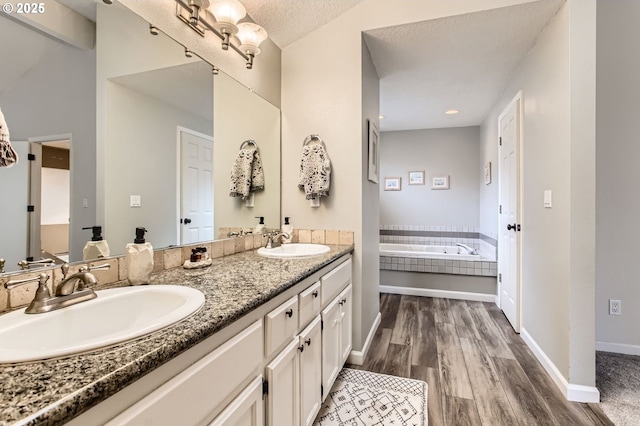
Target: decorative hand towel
x=246, y=174
x=8, y=156
x=315, y=172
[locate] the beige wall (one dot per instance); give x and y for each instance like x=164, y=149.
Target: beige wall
x=618, y=89
x=558, y=148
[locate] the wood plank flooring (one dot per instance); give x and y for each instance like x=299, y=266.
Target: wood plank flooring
x=479, y=370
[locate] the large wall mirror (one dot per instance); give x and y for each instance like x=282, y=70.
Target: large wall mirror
x=152, y=144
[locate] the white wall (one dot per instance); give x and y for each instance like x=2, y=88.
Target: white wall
x=558, y=148
x=454, y=152
x=322, y=93
x=618, y=203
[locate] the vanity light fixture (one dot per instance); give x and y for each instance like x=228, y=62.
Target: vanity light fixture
x=221, y=18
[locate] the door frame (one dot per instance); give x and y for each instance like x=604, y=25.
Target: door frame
x=519, y=100
x=179, y=130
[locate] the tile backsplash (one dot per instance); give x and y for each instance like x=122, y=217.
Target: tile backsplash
x=167, y=258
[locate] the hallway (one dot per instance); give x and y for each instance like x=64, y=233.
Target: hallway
x=478, y=369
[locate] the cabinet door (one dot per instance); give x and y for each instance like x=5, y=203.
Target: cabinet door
x=283, y=399
x=331, y=351
x=246, y=410
x=346, y=319
x=310, y=347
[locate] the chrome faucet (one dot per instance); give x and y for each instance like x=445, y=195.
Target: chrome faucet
x=71, y=290
x=470, y=250
x=26, y=264
x=274, y=239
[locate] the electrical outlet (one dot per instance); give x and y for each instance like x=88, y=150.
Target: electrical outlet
x=615, y=307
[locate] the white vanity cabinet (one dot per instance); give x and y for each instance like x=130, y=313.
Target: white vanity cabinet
x=270, y=366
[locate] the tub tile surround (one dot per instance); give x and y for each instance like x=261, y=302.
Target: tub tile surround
x=166, y=258
x=440, y=236
x=54, y=391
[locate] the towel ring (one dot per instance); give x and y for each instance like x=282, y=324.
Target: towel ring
x=312, y=138
x=249, y=142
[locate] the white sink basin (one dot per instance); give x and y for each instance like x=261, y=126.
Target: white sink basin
x=115, y=316
x=294, y=250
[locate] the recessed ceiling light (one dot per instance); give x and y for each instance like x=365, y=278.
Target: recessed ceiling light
x=451, y=111
x=381, y=117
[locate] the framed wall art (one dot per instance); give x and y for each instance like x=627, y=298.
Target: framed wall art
x=416, y=178
x=374, y=152
x=440, y=182
x=392, y=184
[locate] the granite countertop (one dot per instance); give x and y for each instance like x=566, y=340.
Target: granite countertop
x=54, y=391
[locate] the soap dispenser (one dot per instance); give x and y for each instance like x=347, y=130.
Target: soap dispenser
x=139, y=259
x=288, y=228
x=260, y=227
x=97, y=247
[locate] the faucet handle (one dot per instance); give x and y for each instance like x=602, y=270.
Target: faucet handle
x=65, y=270
x=2, y=261
x=98, y=267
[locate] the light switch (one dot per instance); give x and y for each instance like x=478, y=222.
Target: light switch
x=547, y=199
x=136, y=201
x=85, y=203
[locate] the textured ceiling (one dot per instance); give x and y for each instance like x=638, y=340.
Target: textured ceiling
x=461, y=62
x=289, y=20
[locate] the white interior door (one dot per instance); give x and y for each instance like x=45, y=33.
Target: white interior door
x=196, y=214
x=509, y=216
x=14, y=186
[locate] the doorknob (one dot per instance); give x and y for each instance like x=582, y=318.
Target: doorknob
x=187, y=221
x=511, y=227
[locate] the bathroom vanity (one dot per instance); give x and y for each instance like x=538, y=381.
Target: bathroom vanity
x=265, y=348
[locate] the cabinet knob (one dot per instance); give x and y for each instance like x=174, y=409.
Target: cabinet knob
x=315, y=293
x=308, y=342
x=341, y=302
x=301, y=348
x=289, y=313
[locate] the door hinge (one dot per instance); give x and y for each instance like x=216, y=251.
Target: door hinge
x=265, y=387
x=321, y=324
x=499, y=278
x=500, y=140
x=31, y=157
x=500, y=208
x=31, y=208
x=321, y=390
x=518, y=228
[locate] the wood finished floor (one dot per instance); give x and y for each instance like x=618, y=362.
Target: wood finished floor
x=479, y=371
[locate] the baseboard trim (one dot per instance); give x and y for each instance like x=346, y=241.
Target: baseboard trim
x=576, y=393
x=619, y=348
x=447, y=294
x=357, y=357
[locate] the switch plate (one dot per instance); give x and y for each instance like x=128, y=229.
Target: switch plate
x=136, y=201
x=85, y=203
x=615, y=307
x=547, y=199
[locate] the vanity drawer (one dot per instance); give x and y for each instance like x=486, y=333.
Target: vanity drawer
x=309, y=303
x=280, y=325
x=191, y=395
x=335, y=281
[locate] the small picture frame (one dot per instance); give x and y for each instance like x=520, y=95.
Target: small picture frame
x=416, y=178
x=392, y=184
x=440, y=182
x=487, y=173
x=374, y=152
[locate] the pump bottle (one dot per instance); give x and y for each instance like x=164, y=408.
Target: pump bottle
x=97, y=247
x=139, y=259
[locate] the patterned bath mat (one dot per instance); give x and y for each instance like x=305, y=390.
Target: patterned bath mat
x=362, y=398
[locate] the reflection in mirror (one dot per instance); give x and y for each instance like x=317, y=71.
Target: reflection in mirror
x=47, y=89
x=165, y=147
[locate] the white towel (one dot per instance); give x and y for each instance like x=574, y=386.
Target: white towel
x=315, y=172
x=246, y=174
x=8, y=156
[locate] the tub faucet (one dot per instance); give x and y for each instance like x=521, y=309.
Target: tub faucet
x=274, y=239
x=469, y=250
